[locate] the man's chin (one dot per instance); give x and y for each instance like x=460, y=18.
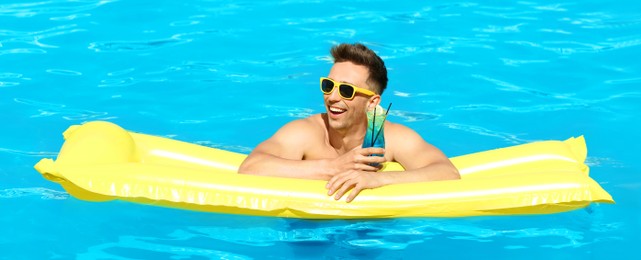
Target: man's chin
x=336, y=124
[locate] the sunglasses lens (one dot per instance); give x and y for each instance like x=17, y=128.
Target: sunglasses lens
x=346, y=91
x=327, y=86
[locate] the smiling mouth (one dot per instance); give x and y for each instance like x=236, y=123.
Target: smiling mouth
x=336, y=111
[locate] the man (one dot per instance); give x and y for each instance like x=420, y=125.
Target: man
x=327, y=146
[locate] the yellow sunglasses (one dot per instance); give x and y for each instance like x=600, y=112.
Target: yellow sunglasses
x=345, y=90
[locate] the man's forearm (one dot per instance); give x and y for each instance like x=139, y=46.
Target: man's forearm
x=432, y=172
x=270, y=165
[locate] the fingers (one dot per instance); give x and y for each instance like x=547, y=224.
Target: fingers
x=358, y=166
x=334, y=183
x=368, y=167
x=343, y=189
x=339, y=185
x=337, y=182
x=371, y=150
x=355, y=191
x=370, y=156
x=361, y=159
x=371, y=159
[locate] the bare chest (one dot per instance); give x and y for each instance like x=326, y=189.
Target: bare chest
x=321, y=151
x=329, y=152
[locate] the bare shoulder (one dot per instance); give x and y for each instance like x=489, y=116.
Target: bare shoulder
x=398, y=136
x=302, y=128
x=293, y=139
x=408, y=147
x=400, y=132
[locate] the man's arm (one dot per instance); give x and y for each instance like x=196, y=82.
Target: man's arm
x=422, y=162
x=282, y=155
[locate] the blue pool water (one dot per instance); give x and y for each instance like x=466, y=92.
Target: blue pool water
x=468, y=76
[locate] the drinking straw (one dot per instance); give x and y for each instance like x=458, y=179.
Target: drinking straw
x=373, y=126
x=381, y=128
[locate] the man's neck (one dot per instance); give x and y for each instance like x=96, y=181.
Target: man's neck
x=344, y=140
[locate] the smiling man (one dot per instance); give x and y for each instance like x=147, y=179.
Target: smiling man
x=327, y=146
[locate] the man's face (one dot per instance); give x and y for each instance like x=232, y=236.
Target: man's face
x=343, y=114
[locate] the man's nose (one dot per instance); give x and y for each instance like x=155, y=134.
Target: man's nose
x=334, y=95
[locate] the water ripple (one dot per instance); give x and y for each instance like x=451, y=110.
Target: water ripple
x=571, y=103
x=357, y=236
x=115, y=79
x=500, y=29
x=28, y=153
x=447, y=43
x=258, y=236
x=523, y=15
x=507, y=137
x=51, y=109
x=604, y=162
x=408, y=116
x=295, y=112
x=506, y=86
x=35, y=37
x=372, y=17
x=551, y=7
x=118, y=82
x=599, y=20
x=125, y=46
x=121, y=72
x=22, y=51
x=7, y=84
x=184, y=23
x=46, y=194
x=128, y=246
x=573, y=47
x=407, y=94
x=64, y=72
x=465, y=64
x=621, y=42
x=559, y=31
x=634, y=80
x=517, y=63
x=392, y=234
x=411, y=18
x=196, y=66
x=569, y=237
x=70, y=17
x=49, y=7
x=12, y=77
x=528, y=109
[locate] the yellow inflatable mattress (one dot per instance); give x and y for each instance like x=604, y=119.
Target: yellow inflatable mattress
x=100, y=161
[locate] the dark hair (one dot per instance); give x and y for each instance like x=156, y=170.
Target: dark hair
x=359, y=54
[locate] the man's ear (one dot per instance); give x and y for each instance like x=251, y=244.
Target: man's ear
x=373, y=101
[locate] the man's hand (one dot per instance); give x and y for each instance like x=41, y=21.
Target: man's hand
x=355, y=170
x=360, y=159
x=355, y=180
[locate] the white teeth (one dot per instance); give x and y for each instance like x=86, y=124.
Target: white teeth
x=337, y=110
